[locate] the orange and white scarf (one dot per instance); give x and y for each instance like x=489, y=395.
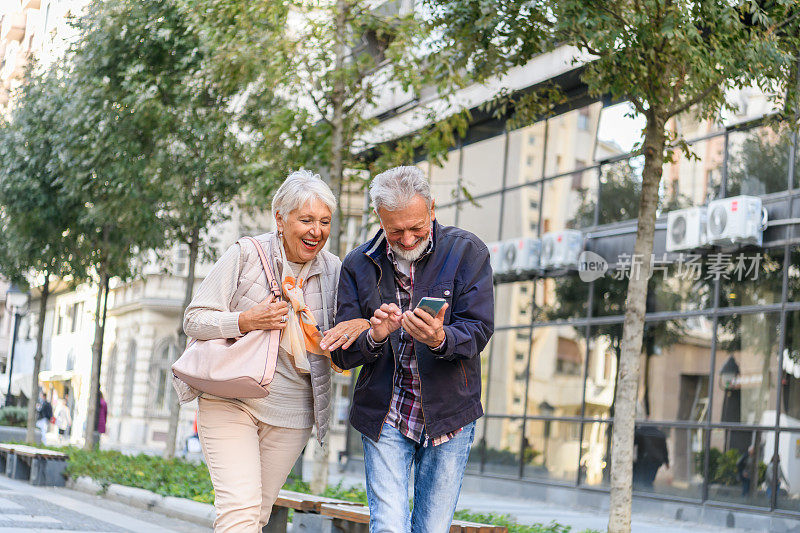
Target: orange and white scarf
x=301, y=335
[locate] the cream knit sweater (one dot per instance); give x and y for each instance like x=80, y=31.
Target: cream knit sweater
x=290, y=403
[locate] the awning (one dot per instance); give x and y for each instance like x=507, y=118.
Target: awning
x=55, y=375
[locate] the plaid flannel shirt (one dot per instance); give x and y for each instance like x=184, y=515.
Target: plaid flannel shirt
x=405, y=410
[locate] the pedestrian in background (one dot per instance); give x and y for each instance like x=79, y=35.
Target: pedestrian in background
x=250, y=445
x=63, y=420
x=44, y=412
x=419, y=390
x=102, y=415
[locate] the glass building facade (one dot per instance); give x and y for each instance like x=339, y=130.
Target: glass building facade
x=720, y=364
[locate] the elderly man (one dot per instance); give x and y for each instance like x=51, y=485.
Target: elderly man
x=419, y=390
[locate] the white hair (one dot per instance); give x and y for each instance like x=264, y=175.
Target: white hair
x=298, y=188
x=395, y=188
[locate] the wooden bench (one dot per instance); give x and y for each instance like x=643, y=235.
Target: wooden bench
x=39, y=466
x=321, y=514
x=343, y=514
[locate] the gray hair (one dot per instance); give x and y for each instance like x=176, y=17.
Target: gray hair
x=298, y=188
x=396, y=187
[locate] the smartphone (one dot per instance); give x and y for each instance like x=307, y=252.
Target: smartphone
x=432, y=306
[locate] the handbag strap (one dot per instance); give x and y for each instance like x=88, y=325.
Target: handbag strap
x=273, y=285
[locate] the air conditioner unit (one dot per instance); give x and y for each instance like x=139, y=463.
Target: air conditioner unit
x=736, y=220
x=494, y=256
x=561, y=249
x=686, y=229
x=527, y=255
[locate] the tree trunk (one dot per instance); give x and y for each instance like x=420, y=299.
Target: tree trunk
x=97, y=357
x=175, y=406
x=37, y=361
x=337, y=121
x=633, y=328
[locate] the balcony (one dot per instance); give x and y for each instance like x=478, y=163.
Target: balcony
x=13, y=28
x=31, y=4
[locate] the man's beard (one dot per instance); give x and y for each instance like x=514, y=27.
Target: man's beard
x=414, y=253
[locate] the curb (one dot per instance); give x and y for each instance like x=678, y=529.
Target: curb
x=181, y=508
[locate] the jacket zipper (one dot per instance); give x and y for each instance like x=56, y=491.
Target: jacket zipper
x=394, y=358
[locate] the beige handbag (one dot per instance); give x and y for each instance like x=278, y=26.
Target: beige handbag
x=241, y=368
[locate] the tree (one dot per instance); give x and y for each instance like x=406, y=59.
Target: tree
x=665, y=57
x=39, y=242
x=107, y=164
x=196, y=157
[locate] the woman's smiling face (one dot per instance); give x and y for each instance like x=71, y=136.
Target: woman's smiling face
x=305, y=230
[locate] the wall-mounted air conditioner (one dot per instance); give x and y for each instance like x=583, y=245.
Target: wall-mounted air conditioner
x=526, y=259
x=736, y=220
x=686, y=229
x=561, y=249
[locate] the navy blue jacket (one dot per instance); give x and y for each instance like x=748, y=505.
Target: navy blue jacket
x=456, y=269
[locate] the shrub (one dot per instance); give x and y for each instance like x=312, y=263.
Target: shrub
x=14, y=416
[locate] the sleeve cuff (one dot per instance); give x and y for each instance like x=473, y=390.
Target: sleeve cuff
x=229, y=325
x=442, y=348
x=373, y=345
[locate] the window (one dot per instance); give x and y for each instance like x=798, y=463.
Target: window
x=111, y=374
x=583, y=119
x=160, y=376
x=130, y=374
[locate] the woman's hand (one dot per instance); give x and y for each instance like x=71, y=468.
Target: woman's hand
x=269, y=314
x=343, y=334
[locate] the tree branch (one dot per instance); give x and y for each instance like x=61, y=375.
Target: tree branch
x=697, y=99
x=318, y=106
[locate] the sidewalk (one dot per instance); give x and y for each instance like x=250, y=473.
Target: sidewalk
x=530, y=511
x=25, y=508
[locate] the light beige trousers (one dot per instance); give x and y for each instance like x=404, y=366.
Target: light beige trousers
x=248, y=461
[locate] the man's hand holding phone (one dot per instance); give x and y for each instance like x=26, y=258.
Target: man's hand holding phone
x=384, y=321
x=422, y=325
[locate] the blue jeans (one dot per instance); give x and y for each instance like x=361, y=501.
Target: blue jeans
x=438, y=472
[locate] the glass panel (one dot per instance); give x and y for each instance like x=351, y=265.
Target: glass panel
x=513, y=303
x=620, y=188
x=555, y=379
x=525, y=148
x=595, y=454
x=790, y=363
x=788, y=465
x=481, y=218
x=754, y=277
x=571, y=139
x=476, y=452
x=735, y=459
x=503, y=441
x=758, y=160
x=746, y=368
x=483, y=165
x=521, y=212
x=619, y=131
x=486, y=358
x=444, y=178
x=604, y=350
x=551, y=450
x=668, y=461
x=694, y=180
x=569, y=201
x=676, y=357
x=506, y=389
x=680, y=286
x=561, y=298
x=793, y=294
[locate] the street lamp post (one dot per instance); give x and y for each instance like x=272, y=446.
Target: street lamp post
x=17, y=302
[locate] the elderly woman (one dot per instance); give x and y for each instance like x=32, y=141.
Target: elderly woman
x=250, y=445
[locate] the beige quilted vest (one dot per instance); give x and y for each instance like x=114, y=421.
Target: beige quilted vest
x=323, y=278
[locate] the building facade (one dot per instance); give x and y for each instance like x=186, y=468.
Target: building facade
x=720, y=358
